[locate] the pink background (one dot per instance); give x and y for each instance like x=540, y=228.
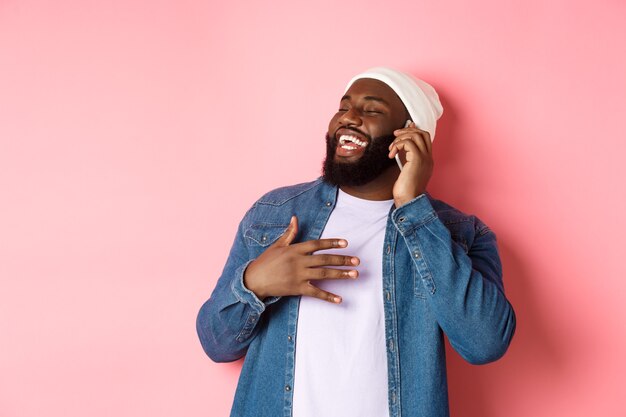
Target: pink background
x=135, y=134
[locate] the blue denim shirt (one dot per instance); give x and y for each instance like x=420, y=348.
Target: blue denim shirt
x=441, y=274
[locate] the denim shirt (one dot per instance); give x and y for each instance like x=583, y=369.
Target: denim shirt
x=441, y=274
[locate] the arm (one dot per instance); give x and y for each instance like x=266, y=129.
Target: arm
x=227, y=321
x=465, y=291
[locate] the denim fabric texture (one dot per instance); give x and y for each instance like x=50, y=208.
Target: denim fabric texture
x=441, y=274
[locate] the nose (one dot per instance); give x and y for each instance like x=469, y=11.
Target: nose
x=350, y=118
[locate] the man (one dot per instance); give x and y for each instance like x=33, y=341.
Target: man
x=338, y=291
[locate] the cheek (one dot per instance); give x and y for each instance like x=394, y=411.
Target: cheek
x=377, y=129
x=385, y=128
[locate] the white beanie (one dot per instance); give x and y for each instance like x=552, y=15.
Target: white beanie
x=419, y=98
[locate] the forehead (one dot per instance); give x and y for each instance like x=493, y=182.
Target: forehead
x=368, y=87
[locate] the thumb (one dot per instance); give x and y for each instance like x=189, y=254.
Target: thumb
x=290, y=234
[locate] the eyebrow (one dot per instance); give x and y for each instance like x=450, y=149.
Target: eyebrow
x=372, y=98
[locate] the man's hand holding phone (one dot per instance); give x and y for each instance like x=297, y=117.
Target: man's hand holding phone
x=414, y=148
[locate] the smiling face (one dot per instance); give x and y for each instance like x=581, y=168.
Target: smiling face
x=361, y=131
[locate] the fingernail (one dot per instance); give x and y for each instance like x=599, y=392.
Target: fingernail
x=354, y=261
x=337, y=299
x=342, y=243
x=353, y=274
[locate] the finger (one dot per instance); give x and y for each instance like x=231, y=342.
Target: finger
x=418, y=140
x=411, y=128
x=425, y=135
x=311, y=246
x=401, y=138
x=417, y=137
x=290, y=234
x=331, y=260
x=428, y=141
x=406, y=144
x=312, y=291
x=330, y=273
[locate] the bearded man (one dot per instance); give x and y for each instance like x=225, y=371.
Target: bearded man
x=338, y=292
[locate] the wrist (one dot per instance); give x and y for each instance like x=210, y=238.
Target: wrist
x=399, y=202
x=251, y=284
x=402, y=200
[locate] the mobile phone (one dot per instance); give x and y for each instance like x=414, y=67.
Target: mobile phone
x=408, y=122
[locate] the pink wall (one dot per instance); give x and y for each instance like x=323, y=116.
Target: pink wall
x=135, y=134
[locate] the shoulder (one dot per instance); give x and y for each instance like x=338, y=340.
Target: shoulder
x=281, y=196
x=278, y=205
x=455, y=219
x=270, y=215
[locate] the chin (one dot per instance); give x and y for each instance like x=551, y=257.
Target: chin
x=346, y=159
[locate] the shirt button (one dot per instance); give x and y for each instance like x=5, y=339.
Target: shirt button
x=287, y=388
x=401, y=219
x=388, y=249
x=264, y=238
x=417, y=254
x=289, y=338
x=328, y=204
x=388, y=295
x=391, y=345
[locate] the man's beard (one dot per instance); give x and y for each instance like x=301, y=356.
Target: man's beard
x=369, y=166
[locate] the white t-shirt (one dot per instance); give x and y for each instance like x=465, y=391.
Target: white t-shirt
x=341, y=358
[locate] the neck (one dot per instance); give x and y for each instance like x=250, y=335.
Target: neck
x=378, y=189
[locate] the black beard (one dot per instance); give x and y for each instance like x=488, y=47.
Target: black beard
x=370, y=166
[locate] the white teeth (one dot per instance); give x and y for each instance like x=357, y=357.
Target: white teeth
x=349, y=138
x=349, y=147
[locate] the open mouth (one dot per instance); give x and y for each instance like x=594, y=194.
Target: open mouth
x=351, y=142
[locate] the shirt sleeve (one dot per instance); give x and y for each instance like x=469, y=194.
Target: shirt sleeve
x=465, y=290
x=228, y=321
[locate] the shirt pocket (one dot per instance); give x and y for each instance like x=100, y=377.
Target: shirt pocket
x=261, y=235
